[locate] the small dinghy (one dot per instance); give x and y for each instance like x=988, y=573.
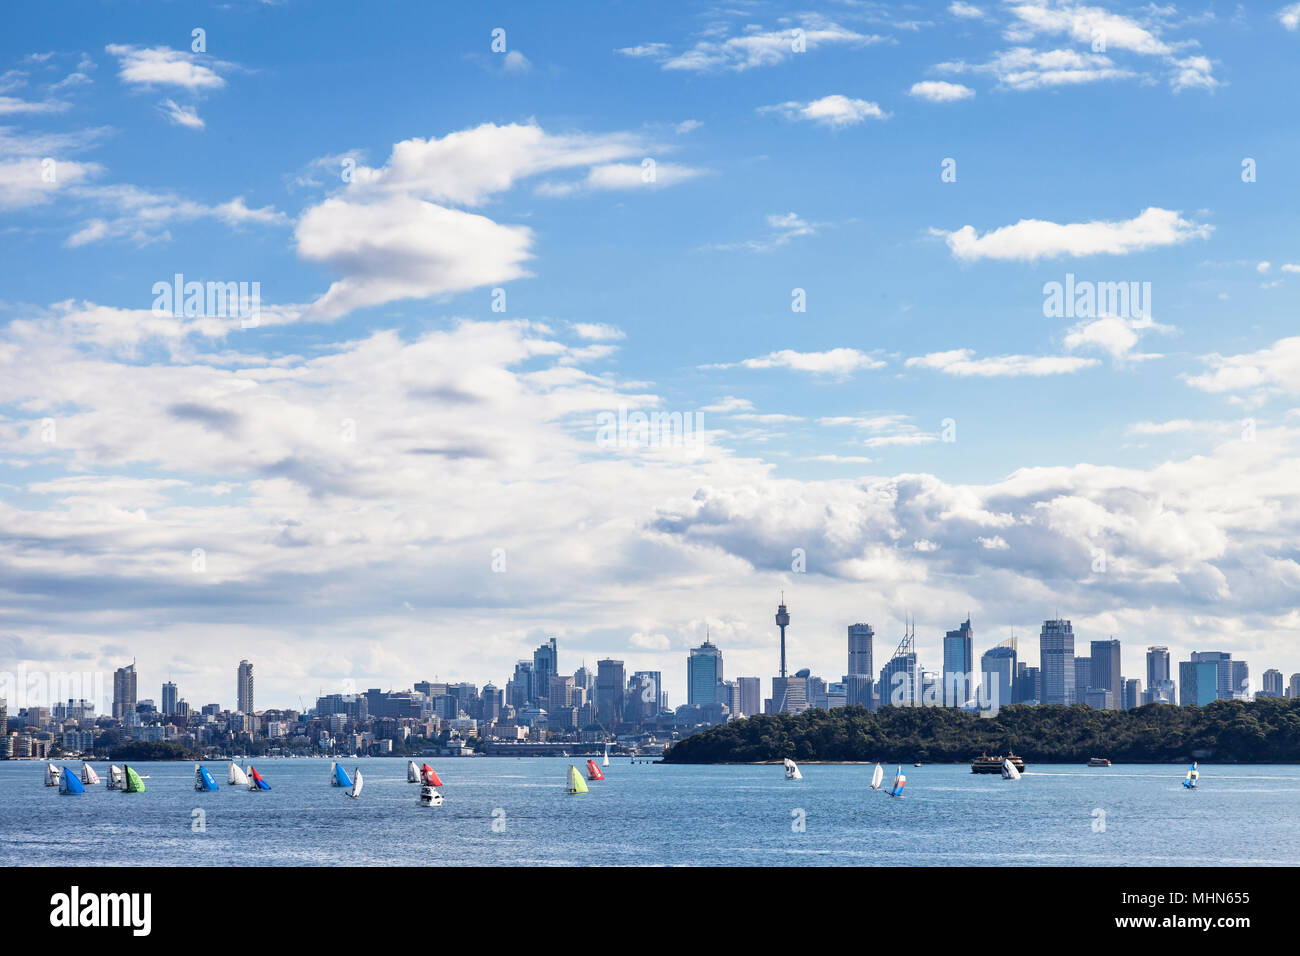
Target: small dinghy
x=412, y=772
x=88, y=775
x=1009, y=771
x=203, y=780
x=576, y=783
x=899, y=782
x=134, y=784
x=116, y=778
x=792, y=770
x=355, y=790
x=255, y=781
x=52, y=775
x=593, y=772
x=1192, y=776
x=605, y=761
x=69, y=782
x=339, y=776
x=877, y=777
x=236, y=777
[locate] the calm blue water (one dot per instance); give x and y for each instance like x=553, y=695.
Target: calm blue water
x=654, y=814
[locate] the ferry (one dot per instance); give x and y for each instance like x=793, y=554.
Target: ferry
x=986, y=764
x=1098, y=762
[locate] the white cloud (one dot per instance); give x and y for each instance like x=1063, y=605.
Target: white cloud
x=143, y=216
x=965, y=11
x=937, y=91
x=836, y=111
x=1289, y=16
x=1025, y=69
x=838, y=362
x=1032, y=239
x=751, y=47
x=598, y=331
x=962, y=362
x=1117, y=336
x=784, y=226
x=611, y=176
x=1268, y=370
x=187, y=116
x=148, y=67
x=516, y=62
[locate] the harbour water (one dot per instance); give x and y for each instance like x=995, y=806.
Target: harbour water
x=516, y=811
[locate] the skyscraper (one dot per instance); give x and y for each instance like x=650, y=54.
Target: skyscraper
x=1240, y=671
x=1198, y=682
x=1105, y=670
x=1293, y=686
x=751, y=692
x=900, y=683
x=861, y=637
x=124, y=696
x=958, y=665
x=244, y=692
x=703, y=674
x=998, y=668
x=169, y=699
x=1157, y=668
x=545, y=666
x=1224, y=682
x=611, y=688
x=1082, y=679
x=1056, y=662
x=1272, y=683
x=1132, y=693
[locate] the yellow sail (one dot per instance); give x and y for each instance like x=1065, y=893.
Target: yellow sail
x=576, y=783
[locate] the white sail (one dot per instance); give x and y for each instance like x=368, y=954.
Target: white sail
x=605, y=761
x=334, y=780
x=356, y=783
x=877, y=777
x=792, y=770
x=412, y=772
x=1009, y=771
x=88, y=774
x=236, y=777
x=52, y=775
x=116, y=777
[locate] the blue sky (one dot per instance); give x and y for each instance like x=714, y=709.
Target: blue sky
x=1104, y=142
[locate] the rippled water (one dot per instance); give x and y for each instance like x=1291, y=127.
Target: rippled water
x=655, y=814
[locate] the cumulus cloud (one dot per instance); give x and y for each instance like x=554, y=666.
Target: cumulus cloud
x=962, y=362
x=836, y=111
x=1275, y=368
x=1032, y=239
x=148, y=67
x=727, y=48
x=839, y=362
x=937, y=91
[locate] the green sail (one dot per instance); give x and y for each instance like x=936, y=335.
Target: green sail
x=133, y=782
x=576, y=783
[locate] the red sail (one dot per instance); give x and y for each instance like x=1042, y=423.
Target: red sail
x=430, y=777
x=593, y=772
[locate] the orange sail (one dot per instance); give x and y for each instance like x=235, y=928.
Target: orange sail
x=593, y=772
x=430, y=777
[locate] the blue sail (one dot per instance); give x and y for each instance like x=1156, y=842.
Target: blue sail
x=341, y=776
x=208, y=782
x=71, y=783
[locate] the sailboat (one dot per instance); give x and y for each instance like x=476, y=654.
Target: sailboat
x=412, y=772
x=339, y=776
x=429, y=784
x=1192, y=776
x=356, y=784
x=899, y=782
x=877, y=777
x=69, y=782
x=430, y=777
x=203, y=780
x=593, y=772
x=116, y=778
x=133, y=782
x=88, y=774
x=255, y=781
x=51, y=775
x=605, y=761
x=576, y=783
x=792, y=770
x=1009, y=771
x=236, y=777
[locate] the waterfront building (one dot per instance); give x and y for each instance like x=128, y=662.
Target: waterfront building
x=958, y=665
x=1198, y=682
x=546, y=664
x=124, y=693
x=169, y=698
x=1105, y=670
x=998, y=666
x=611, y=691
x=861, y=650
x=1272, y=683
x=244, y=688
x=1132, y=692
x=750, y=695
x=1082, y=678
x=703, y=674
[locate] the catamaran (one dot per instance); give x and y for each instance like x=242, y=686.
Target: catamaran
x=116, y=778
x=877, y=777
x=133, y=782
x=412, y=772
x=339, y=776
x=576, y=783
x=605, y=761
x=88, y=774
x=593, y=772
x=355, y=791
x=69, y=782
x=1009, y=771
x=792, y=770
x=236, y=777
x=899, y=782
x=203, y=780
x=255, y=781
x=1192, y=776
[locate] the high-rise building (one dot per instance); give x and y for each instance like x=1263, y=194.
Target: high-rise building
x=1240, y=680
x=1056, y=660
x=1029, y=684
x=559, y=694
x=899, y=684
x=1082, y=678
x=169, y=699
x=1157, y=666
x=861, y=637
x=1272, y=683
x=751, y=694
x=643, y=696
x=860, y=689
x=545, y=666
x=244, y=693
x=124, y=695
x=958, y=665
x=1132, y=692
x=611, y=689
x=490, y=704
x=998, y=666
x=1222, y=661
x=1293, y=686
x=1105, y=673
x=703, y=674
x=1198, y=682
